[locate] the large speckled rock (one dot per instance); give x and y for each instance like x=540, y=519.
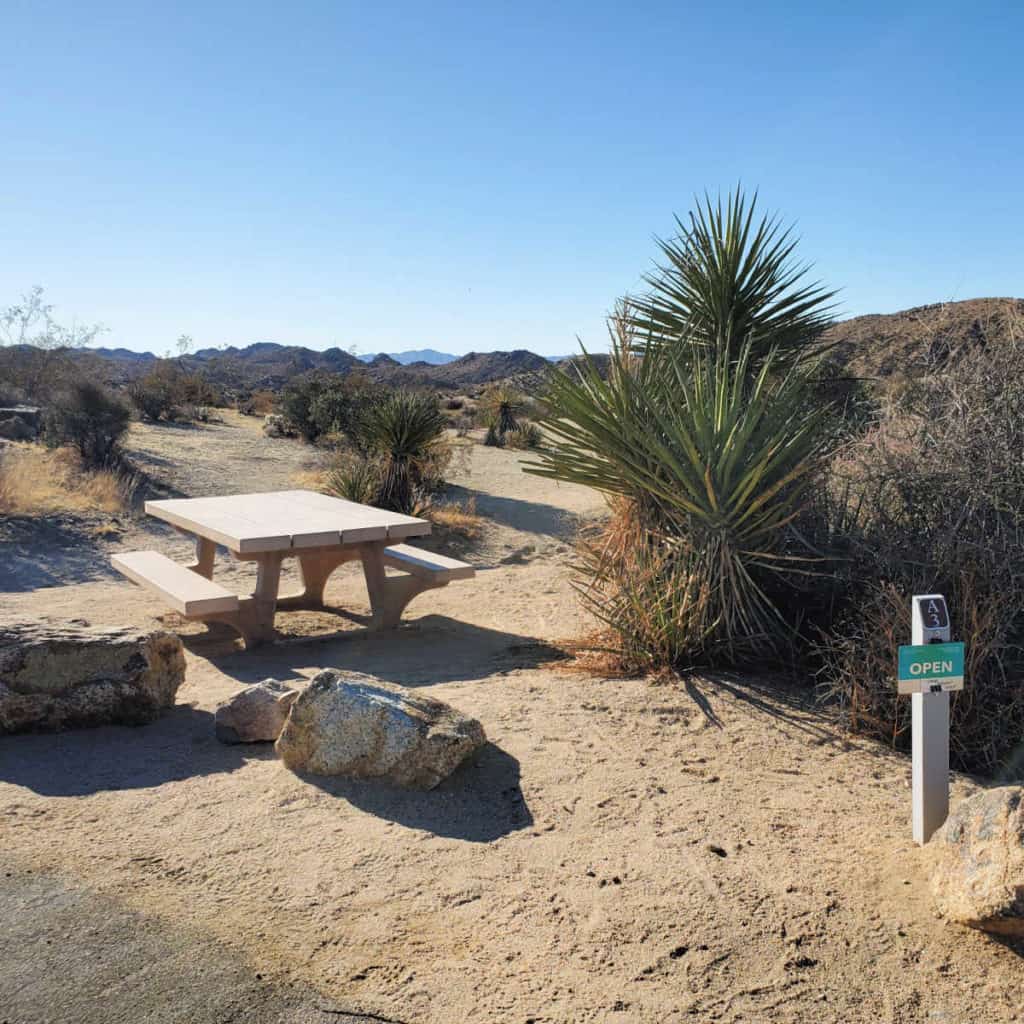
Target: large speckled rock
x=59, y=675
x=254, y=715
x=978, y=862
x=357, y=726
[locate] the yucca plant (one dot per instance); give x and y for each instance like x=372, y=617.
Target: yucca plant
x=727, y=278
x=707, y=433
x=501, y=406
x=403, y=432
x=716, y=460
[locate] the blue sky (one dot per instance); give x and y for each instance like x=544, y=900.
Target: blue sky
x=473, y=177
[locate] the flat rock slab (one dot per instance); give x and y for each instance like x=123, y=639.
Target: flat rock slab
x=61, y=675
x=356, y=726
x=978, y=862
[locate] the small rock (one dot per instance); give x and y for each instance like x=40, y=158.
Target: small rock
x=359, y=727
x=520, y=556
x=254, y=715
x=978, y=862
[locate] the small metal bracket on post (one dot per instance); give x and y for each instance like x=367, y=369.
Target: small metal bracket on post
x=929, y=669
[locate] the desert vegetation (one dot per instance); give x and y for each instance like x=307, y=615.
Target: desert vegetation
x=766, y=510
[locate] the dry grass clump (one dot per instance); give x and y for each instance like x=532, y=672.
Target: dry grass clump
x=36, y=481
x=458, y=518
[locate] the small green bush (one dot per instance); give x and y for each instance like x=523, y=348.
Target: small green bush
x=494, y=438
x=319, y=404
x=89, y=418
x=398, y=454
x=526, y=436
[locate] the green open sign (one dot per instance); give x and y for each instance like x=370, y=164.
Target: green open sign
x=927, y=668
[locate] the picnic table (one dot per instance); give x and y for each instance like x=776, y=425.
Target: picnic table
x=320, y=531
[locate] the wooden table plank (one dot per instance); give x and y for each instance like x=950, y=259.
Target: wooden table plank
x=279, y=520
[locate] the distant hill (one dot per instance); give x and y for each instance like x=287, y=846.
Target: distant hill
x=913, y=341
x=910, y=342
x=417, y=355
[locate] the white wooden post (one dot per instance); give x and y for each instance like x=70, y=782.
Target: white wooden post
x=929, y=726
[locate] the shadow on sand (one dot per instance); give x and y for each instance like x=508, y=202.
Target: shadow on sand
x=433, y=649
x=529, y=516
x=180, y=744
x=480, y=802
x=46, y=552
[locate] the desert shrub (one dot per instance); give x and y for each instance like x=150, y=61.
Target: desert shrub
x=494, y=438
x=931, y=500
x=90, y=419
x=462, y=425
x=320, y=403
x=454, y=404
x=398, y=454
x=709, y=465
x=355, y=478
x=525, y=436
x=255, y=403
x=167, y=392
x=705, y=435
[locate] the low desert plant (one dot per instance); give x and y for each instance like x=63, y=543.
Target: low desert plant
x=320, y=404
x=526, y=436
x=458, y=518
x=710, y=466
x=494, y=438
x=37, y=481
x=500, y=408
x=90, y=419
x=398, y=454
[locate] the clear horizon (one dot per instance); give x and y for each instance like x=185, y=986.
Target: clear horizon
x=471, y=180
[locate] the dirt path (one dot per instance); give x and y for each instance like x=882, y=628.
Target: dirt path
x=621, y=852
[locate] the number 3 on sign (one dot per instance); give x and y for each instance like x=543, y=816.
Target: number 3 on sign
x=935, y=615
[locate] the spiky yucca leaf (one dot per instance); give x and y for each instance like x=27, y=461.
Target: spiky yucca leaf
x=729, y=277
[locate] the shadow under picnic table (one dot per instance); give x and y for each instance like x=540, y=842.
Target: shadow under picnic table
x=432, y=649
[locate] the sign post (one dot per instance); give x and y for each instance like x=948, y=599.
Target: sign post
x=928, y=670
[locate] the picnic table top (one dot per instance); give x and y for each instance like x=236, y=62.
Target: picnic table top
x=281, y=520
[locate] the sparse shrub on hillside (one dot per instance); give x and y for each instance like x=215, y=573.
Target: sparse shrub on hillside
x=167, y=392
x=932, y=500
x=90, y=419
x=155, y=395
x=256, y=403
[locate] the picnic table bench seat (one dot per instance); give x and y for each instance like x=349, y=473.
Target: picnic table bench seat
x=184, y=590
x=426, y=564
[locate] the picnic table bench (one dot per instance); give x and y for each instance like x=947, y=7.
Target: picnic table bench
x=320, y=531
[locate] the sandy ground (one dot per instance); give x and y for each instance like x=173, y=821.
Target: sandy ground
x=621, y=852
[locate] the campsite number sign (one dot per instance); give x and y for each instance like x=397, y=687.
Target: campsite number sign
x=934, y=614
